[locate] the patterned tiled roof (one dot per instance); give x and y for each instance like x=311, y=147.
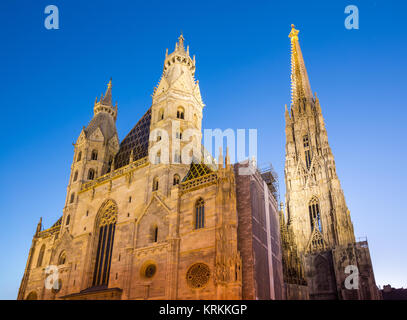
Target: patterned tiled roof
x=197, y=170
x=136, y=140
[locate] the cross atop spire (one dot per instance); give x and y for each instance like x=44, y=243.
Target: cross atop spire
x=300, y=86
x=179, y=46
x=294, y=33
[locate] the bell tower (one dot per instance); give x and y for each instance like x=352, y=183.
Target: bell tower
x=315, y=203
x=177, y=106
x=94, y=151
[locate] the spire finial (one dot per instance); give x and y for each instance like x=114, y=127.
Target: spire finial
x=294, y=33
x=181, y=42
x=220, y=160
x=300, y=86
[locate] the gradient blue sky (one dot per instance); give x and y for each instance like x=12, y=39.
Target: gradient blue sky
x=50, y=78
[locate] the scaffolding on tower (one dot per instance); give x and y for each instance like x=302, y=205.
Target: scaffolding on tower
x=270, y=176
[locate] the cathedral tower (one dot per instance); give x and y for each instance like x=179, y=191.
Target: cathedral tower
x=316, y=207
x=319, y=226
x=177, y=108
x=94, y=150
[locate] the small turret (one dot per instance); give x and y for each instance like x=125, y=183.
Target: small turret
x=105, y=103
x=227, y=158
x=220, y=159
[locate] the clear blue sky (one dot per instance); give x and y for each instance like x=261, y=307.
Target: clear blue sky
x=50, y=78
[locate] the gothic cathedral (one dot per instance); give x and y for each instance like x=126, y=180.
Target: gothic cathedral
x=139, y=222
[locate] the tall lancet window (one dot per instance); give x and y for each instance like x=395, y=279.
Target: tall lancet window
x=105, y=228
x=305, y=140
x=314, y=214
x=199, y=213
x=180, y=113
x=41, y=256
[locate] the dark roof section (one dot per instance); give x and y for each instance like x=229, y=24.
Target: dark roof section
x=58, y=223
x=197, y=170
x=394, y=294
x=105, y=122
x=136, y=140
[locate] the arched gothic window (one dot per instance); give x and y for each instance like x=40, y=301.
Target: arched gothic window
x=305, y=140
x=105, y=230
x=175, y=180
x=62, y=258
x=79, y=156
x=72, y=198
x=68, y=219
x=94, y=155
x=199, y=213
x=314, y=214
x=180, y=113
x=41, y=256
x=155, y=184
x=161, y=114
x=155, y=234
x=75, y=176
x=91, y=174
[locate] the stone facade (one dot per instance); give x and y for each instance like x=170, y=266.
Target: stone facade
x=140, y=224
x=156, y=217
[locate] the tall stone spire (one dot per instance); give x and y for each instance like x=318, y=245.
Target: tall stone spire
x=300, y=86
x=316, y=206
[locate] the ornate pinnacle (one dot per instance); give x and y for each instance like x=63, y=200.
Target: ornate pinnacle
x=180, y=44
x=227, y=158
x=131, y=156
x=220, y=160
x=181, y=39
x=39, y=226
x=294, y=33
